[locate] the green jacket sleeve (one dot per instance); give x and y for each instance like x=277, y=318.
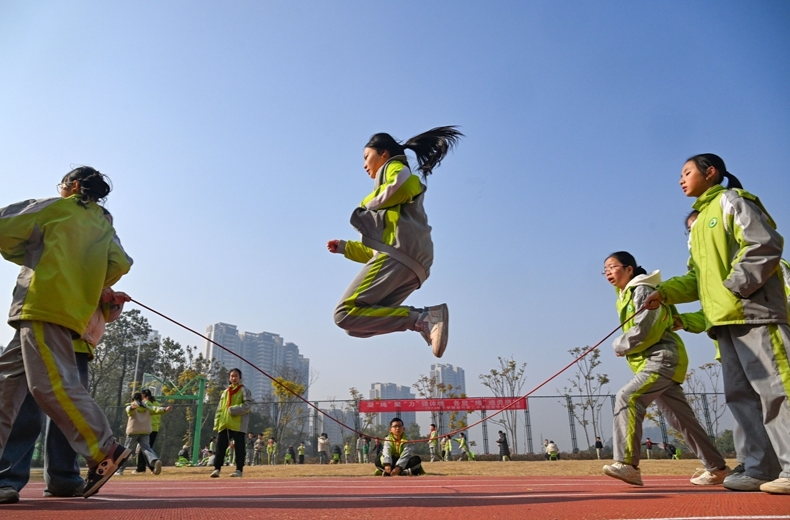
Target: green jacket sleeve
x=16, y=228
x=759, y=248
x=399, y=186
x=118, y=263
x=680, y=289
x=694, y=322
x=357, y=252
x=647, y=329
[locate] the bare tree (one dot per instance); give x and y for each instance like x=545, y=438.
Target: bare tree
x=586, y=386
x=506, y=381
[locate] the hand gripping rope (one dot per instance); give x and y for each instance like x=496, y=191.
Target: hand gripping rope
x=454, y=432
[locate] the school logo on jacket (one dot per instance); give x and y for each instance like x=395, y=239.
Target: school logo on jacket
x=713, y=222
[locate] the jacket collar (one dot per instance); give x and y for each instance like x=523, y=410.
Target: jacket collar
x=650, y=280
x=706, y=198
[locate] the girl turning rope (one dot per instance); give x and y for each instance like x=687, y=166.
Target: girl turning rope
x=658, y=359
x=735, y=273
x=68, y=253
x=396, y=245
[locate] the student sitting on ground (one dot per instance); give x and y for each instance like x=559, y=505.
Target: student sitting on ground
x=396, y=454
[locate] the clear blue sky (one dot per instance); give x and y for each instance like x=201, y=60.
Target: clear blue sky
x=233, y=133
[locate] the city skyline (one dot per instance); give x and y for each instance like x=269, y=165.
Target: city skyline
x=266, y=350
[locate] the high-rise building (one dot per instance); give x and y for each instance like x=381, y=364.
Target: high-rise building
x=450, y=381
x=265, y=350
x=392, y=391
x=451, y=377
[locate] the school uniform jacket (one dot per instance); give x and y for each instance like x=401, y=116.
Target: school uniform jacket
x=648, y=342
x=396, y=453
x=68, y=253
x=735, y=254
x=233, y=411
x=392, y=220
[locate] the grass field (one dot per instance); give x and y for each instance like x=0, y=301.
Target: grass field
x=560, y=468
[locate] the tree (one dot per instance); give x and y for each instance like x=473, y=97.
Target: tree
x=111, y=372
x=506, y=381
x=588, y=387
x=366, y=420
x=698, y=388
x=427, y=389
x=289, y=414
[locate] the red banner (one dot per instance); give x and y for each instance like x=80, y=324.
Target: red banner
x=468, y=404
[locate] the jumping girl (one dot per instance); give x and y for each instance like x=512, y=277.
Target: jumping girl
x=396, y=245
x=230, y=422
x=68, y=252
x=735, y=273
x=658, y=359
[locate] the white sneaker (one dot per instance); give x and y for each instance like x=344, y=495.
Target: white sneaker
x=743, y=482
x=237, y=473
x=215, y=474
x=624, y=472
x=434, y=325
x=706, y=477
x=780, y=486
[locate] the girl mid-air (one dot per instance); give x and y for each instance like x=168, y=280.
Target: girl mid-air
x=396, y=245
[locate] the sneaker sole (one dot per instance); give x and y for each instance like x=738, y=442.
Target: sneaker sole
x=99, y=483
x=157, y=467
x=612, y=474
x=443, y=331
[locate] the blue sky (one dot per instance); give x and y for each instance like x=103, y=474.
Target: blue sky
x=233, y=134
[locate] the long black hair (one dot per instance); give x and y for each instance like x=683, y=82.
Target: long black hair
x=704, y=161
x=94, y=185
x=430, y=147
x=628, y=260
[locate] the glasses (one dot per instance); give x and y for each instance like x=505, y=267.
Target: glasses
x=609, y=269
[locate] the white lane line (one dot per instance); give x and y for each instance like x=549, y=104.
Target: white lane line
x=382, y=498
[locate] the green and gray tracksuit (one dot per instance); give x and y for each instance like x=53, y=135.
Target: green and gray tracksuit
x=736, y=275
x=658, y=359
x=396, y=249
x=398, y=453
x=68, y=252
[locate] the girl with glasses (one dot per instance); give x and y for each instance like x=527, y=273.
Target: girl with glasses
x=658, y=359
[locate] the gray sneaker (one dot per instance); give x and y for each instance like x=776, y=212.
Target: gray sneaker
x=237, y=473
x=743, y=482
x=8, y=495
x=215, y=473
x=157, y=469
x=434, y=325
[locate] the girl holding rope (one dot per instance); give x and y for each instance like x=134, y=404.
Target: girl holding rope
x=735, y=273
x=396, y=245
x=658, y=359
x=230, y=422
x=69, y=253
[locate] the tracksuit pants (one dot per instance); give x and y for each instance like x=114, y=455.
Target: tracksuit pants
x=630, y=406
x=41, y=359
x=756, y=373
x=223, y=441
x=372, y=303
x=61, y=468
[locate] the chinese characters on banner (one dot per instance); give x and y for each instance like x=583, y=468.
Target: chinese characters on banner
x=442, y=405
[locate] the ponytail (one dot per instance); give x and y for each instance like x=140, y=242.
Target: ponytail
x=94, y=185
x=430, y=147
x=704, y=161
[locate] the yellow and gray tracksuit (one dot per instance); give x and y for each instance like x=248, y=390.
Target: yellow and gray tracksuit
x=230, y=423
x=398, y=453
x=396, y=249
x=68, y=253
x=736, y=275
x=658, y=359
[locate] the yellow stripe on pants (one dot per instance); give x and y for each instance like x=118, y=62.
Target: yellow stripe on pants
x=62, y=396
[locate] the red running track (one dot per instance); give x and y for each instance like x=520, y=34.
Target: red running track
x=434, y=498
